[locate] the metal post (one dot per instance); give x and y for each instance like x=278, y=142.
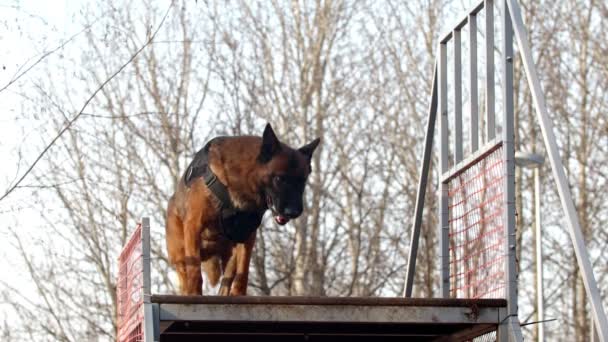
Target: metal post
x=145, y=243
x=490, y=116
x=443, y=192
x=421, y=192
x=148, y=307
x=535, y=161
x=540, y=306
x=559, y=174
x=512, y=323
x=473, y=83
x=458, y=150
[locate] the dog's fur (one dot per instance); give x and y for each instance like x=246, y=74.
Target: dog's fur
x=259, y=173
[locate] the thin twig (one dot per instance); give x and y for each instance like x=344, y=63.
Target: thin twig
x=46, y=54
x=69, y=124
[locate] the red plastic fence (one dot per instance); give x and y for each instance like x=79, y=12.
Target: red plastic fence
x=129, y=290
x=477, y=230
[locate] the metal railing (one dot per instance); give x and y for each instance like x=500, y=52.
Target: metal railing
x=134, y=288
x=451, y=151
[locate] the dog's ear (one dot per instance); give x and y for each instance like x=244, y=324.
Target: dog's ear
x=270, y=145
x=309, y=148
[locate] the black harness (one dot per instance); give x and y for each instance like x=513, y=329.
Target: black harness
x=235, y=224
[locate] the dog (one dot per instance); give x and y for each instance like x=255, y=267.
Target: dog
x=219, y=202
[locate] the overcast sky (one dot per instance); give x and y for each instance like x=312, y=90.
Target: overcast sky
x=28, y=29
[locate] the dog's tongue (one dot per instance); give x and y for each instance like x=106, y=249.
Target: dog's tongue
x=280, y=219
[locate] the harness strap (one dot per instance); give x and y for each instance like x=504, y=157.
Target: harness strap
x=218, y=189
x=237, y=225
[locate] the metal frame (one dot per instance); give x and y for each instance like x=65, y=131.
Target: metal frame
x=443, y=161
x=535, y=161
x=512, y=26
x=540, y=300
x=437, y=319
x=228, y=310
x=473, y=99
x=510, y=328
x=422, y=183
x=150, y=324
x=457, y=169
x=490, y=108
x=187, y=317
x=559, y=175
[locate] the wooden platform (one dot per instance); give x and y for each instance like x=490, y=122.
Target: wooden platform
x=210, y=318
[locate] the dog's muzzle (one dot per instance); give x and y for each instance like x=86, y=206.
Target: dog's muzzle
x=278, y=218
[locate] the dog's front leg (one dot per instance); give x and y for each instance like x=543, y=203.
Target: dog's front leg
x=243, y=257
x=229, y=268
x=192, y=251
x=236, y=268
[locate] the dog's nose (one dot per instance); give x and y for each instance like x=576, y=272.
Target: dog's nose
x=292, y=212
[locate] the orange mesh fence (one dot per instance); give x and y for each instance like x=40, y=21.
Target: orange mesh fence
x=129, y=290
x=477, y=230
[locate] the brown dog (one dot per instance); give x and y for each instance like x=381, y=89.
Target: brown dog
x=220, y=201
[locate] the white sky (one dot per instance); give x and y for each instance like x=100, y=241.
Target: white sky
x=28, y=29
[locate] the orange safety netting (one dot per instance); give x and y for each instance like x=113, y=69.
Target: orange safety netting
x=129, y=290
x=477, y=230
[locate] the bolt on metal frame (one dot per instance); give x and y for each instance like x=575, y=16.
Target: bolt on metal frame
x=511, y=25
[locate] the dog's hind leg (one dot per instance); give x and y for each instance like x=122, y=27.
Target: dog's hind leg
x=174, y=234
x=192, y=254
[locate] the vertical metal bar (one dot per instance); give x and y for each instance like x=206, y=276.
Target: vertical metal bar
x=148, y=322
x=421, y=192
x=594, y=336
x=559, y=174
x=443, y=107
x=156, y=321
x=508, y=139
x=457, y=98
x=145, y=241
x=473, y=99
x=443, y=195
x=540, y=305
x=490, y=110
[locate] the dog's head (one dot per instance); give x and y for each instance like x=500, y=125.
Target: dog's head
x=284, y=174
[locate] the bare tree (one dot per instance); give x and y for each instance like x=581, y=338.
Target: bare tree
x=355, y=73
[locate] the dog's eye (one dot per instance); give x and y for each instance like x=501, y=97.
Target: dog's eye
x=279, y=179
